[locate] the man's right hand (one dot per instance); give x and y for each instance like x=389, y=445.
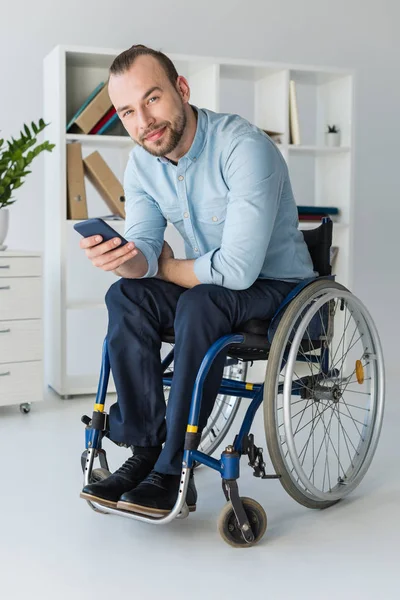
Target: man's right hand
x=107, y=256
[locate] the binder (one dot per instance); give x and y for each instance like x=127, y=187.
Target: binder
x=85, y=104
x=105, y=182
x=95, y=110
x=76, y=192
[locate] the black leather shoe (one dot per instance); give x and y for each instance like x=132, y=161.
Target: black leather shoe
x=157, y=494
x=127, y=477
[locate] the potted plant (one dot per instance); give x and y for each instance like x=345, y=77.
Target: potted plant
x=15, y=157
x=332, y=136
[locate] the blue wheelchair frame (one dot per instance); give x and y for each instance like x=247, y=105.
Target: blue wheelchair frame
x=228, y=465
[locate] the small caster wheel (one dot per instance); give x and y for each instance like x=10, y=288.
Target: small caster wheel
x=99, y=475
x=229, y=529
x=25, y=408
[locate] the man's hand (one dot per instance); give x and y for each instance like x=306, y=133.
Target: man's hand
x=180, y=272
x=107, y=256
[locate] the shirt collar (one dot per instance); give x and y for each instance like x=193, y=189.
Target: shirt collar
x=199, y=139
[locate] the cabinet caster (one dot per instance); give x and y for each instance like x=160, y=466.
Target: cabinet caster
x=25, y=408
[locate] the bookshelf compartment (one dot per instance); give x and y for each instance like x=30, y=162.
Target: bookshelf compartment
x=256, y=93
x=323, y=99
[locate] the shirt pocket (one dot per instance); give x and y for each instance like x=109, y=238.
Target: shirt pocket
x=212, y=214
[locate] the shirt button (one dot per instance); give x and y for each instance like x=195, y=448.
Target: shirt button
x=196, y=249
x=180, y=177
x=215, y=219
x=194, y=158
x=186, y=215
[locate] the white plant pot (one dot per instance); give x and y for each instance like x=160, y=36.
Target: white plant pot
x=4, y=216
x=332, y=140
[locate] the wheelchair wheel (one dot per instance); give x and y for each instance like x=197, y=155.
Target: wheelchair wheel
x=229, y=528
x=323, y=394
x=224, y=411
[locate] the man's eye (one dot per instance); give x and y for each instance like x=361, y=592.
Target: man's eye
x=153, y=98
x=126, y=113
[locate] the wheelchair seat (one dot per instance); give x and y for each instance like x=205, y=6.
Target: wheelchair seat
x=256, y=345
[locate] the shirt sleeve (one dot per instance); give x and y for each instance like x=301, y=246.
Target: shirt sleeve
x=144, y=221
x=254, y=173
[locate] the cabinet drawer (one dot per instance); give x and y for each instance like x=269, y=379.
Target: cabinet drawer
x=21, y=298
x=24, y=266
x=21, y=382
x=20, y=340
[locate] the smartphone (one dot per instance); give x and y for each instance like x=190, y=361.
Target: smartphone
x=98, y=227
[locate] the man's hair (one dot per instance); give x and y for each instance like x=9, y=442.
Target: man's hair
x=125, y=60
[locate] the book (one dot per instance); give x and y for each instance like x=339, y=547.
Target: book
x=108, y=124
x=276, y=136
x=317, y=210
x=93, y=112
x=85, y=104
x=103, y=121
x=105, y=182
x=76, y=192
x=293, y=115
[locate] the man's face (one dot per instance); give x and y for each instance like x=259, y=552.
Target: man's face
x=151, y=110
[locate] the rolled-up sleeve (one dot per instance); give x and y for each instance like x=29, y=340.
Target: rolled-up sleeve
x=144, y=222
x=254, y=172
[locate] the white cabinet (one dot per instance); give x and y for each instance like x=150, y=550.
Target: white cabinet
x=76, y=317
x=21, y=339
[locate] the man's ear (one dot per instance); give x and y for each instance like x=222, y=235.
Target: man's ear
x=183, y=88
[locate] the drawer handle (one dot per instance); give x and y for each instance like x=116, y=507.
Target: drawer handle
x=6, y=373
x=5, y=330
x=4, y=266
x=5, y=287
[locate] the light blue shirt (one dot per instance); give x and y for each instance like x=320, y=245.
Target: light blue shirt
x=229, y=197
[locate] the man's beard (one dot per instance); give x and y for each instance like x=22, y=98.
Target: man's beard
x=170, y=139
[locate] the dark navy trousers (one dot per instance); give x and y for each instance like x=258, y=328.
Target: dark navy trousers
x=139, y=309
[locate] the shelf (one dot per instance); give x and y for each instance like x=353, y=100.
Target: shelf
x=318, y=149
x=75, y=292
x=100, y=140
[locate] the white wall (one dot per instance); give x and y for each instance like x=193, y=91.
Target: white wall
x=360, y=34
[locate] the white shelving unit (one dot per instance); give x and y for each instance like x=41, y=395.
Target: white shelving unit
x=75, y=313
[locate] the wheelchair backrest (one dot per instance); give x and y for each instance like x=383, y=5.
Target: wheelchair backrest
x=319, y=242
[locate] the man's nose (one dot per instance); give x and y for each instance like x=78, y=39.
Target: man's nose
x=145, y=120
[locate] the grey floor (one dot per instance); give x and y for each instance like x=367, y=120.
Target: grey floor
x=52, y=545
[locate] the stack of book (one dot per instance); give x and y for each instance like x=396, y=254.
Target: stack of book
x=96, y=115
x=317, y=213
x=99, y=174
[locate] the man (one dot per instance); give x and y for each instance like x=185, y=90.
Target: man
x=225, y=186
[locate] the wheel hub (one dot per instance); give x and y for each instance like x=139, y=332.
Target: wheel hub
x=325, y=392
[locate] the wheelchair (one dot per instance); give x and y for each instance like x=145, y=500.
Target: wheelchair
x=323, y=402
